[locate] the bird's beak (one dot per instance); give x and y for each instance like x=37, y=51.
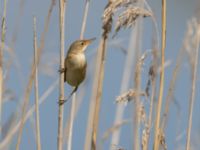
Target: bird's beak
x=89, y=41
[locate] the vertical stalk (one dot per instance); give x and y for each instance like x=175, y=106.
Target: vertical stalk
x=159, y=105
x=61, y=94
x=153, y=76
x=73, y=106
x=124, y=86
x=194, y=80
x=3, y=33
x=136, y=105
x=146, y=147
x=93, y=118
x=98, y=94
x=171, y=89
x=31, y=78
x=137, y=81
x=71, y=122
x=36, y=87
x=84, y=18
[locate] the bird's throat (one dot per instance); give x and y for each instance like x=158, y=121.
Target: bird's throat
x=75, y=61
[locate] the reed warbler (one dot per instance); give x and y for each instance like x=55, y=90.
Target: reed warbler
x=75, y=65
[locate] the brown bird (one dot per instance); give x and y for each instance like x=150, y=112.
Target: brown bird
x=75, y=65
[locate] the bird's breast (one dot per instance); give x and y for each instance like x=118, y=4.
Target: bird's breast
x=76, y=69
x=76, y=61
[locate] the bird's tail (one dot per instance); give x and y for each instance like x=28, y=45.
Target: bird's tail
x=74, y=90
x=61, y=102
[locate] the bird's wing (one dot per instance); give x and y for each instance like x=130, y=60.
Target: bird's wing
x=85, y=67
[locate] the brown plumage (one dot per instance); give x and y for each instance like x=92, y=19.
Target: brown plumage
x=76, y=64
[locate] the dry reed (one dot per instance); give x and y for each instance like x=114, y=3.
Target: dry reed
x=85, y=14
x=36, y=86
x=124, y=86
x=71, y=122
x=3, y=34
x=133, y=93
x=129, y=95
x=129, y=14
x=111, y=7
x=31, y=78
x=113, y=129
x=74, y=99
x=137, y=84
x=172, y=87
x=127, y=19
x=159, y=104
x=151, y=81
x=99, y=74
x=194, y=66
x=25, y=104
x=92, y=128
x=100, y=65
x=61, y=90
x=29, y=113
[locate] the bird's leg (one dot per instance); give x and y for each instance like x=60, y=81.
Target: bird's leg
x=62, y=70
x=61, y=102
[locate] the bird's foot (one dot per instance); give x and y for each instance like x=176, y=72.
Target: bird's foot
x=62, y=70
x=61, y=101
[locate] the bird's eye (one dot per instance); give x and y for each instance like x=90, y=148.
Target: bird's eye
x=82, y=43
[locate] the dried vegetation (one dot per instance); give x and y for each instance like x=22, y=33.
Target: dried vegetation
x=150, y=109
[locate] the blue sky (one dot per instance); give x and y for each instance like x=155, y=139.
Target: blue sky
x=178, y=14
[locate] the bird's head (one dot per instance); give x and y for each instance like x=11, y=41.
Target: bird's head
x=80, y=45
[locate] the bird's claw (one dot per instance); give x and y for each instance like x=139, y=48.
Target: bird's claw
x=62, y=70
x=61, y=101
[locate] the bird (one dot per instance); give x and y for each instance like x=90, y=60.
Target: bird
x=75, y=65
